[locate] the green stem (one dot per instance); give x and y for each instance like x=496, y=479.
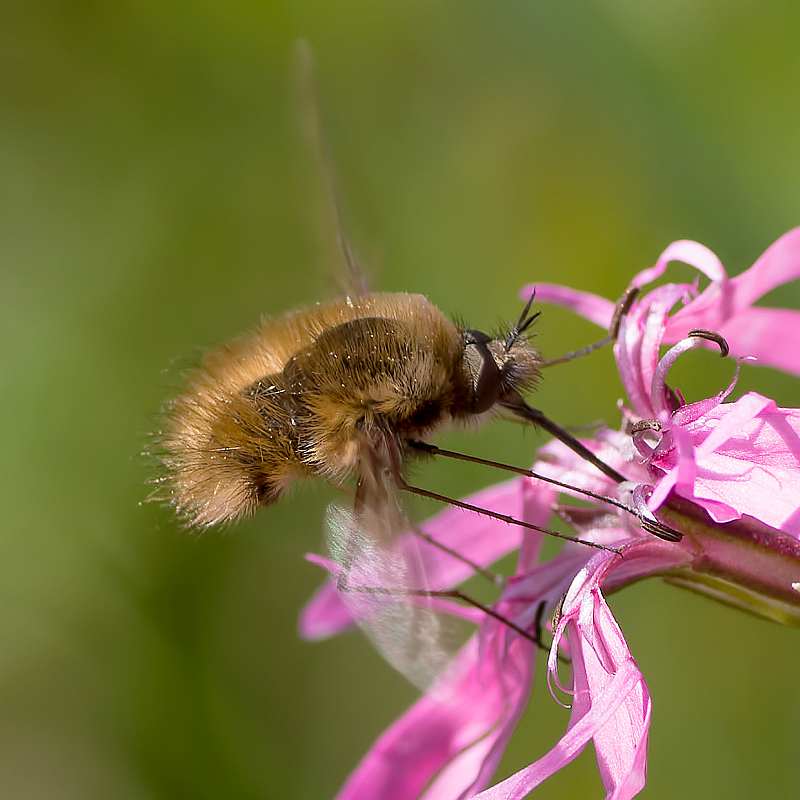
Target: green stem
x=743, y=563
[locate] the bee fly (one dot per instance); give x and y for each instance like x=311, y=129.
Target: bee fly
x=352, y=388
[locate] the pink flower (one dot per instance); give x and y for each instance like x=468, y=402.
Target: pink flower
x=726, y=305
x=731, y=459
x=452, y=739
x=725, y=474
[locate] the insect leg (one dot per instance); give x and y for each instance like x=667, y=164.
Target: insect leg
x=403, y=485
x=622, y=308
x=658, y=529
x=456, y=594
x=535, y=637
x=492, y=577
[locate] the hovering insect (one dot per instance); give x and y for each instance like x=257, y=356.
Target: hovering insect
x=346, y=388
x=336, y=390
x=350, y=389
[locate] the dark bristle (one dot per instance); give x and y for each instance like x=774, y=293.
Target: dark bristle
x=526, y=319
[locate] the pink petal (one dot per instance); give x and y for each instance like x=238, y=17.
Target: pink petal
x=590, y=306
x=572, y=743
x=473, y=767
x=746, y=459
x=693, y=253
x=723, y=301
x=779, y=264
x=611, y=701
x=452, y=739
x=479, y=538
x=627, y=351
x=644, y=557
x=325, y=614
x=733, y=421
x=658, y=303
x=767, y=334
x=483, y=703
x=662, y=489
x=621, y=743
x=762, y=494
x=638, y=343
x=548, y=581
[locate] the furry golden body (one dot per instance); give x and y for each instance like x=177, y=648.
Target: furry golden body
x=304, y=394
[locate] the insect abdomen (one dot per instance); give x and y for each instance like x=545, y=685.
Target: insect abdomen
x=296, y=397
x=227, y=455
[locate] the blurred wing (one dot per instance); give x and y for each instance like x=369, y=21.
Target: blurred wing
x=352, y=280
x=383, y=583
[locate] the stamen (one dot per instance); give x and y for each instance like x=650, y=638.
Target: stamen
x=639, y=434
x=712, y=336
x=658, y=387
x=623, y=307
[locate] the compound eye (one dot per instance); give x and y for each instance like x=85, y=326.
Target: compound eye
x=483, y=369
x=476, y=337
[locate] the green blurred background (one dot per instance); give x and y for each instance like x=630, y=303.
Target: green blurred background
x=156, y=197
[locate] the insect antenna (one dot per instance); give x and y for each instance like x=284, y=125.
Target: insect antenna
x=653, y=526
x=523, y=323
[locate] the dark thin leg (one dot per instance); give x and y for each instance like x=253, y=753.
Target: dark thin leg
x=537, y=621
x=406, y=487
x=623, y=306
x=395, y=467
x=434, y=450
x=492, y=577
x=660, y=530
x=457, y=594
x=519, y=407
x=522, y=409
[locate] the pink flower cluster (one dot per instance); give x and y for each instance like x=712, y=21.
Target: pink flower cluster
x=726, y=474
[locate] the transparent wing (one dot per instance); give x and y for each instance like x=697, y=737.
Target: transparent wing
x=384, y=584
x=352, y=279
